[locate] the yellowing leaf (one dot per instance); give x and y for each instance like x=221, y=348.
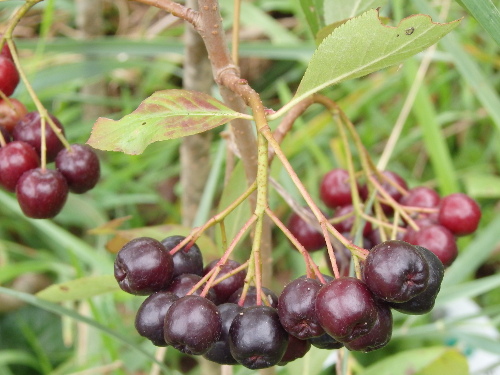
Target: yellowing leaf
x=166, y=114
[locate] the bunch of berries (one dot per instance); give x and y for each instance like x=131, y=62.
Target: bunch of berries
x=41, y=192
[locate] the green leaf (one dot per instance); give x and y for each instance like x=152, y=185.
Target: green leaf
x=339, y=10
x=372, y=46
x=487, y=14
x=166, y=114
x=425, y=361
x=313, y=9
x=78, y=289
x=482, y=185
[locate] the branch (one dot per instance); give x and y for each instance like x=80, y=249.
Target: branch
x=178, y=10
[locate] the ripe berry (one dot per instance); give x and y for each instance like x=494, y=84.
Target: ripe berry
x=5, y=51
x=422, y=222
x=11, y=112
x=395, y=271
x=9, y=76
x=226, y=287
x=182, y=284
x=394, y=192
x=28, y=129
x=15, y=159
x=296, y=349
x=459, y=213
x=296, y=308
x=80, y=167
x=424, y=302
x=421, y=196
x=251, y=297
x=41, y=193
x=185, y=260
x=325, y=341
x=347, y=224
x=305, y=233
x=378, y=336
x=143, y=266
x=150, y=317
x=256, y=338
x=220, y=351
x=335, y=189
x=439, y=240
x=192, y=325
x=346, y=309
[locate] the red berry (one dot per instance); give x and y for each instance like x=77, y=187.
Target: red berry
x=335, y=189
x=439, y=240
x=15, y=159
x=421, y=196
x=9, y=77
x=41, y=193
x=80, y=167
x=394, y=192
x=459, y=213
x=5, y=52
x=305, y=233
x=11, y=112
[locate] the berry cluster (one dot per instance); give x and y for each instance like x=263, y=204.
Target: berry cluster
x=216, y=322
x=41, y=192
x=431, y=221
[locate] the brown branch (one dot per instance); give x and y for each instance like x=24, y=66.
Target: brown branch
x=178, y=10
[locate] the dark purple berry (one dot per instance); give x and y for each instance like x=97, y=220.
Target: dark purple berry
x=41, y=193
x=305, y=233
x=186, y=260
x=192, y=325
x=424, y=302
x=347, y=224
x=439, y=240
x=395, y=271
x=296, y=349
x=460, y=214
x=346, y=309
x=256, y=338
x=182, y=284
x=150, y=317
x=325, y=341
x=378, y=336
x=220, y=351
x=28, y=129
x=15, y=159
x=296, y=308
x=227, y=287
x=80, y=167
x=143, y=266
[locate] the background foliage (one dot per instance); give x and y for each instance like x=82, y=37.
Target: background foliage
x=449, y=141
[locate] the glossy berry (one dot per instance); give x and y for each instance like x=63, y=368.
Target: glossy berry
x=41, y=193
x=421, y=196
x=15, y=159
x=182, y=284
x=424, y=302
x=325, y=341
x=143, y=266
x=296, y=308
x=335, y=189
x=395, y=271
x=220, y=351
x=9, y=76
x=439, y=240
x=256, y=338
x=305, y=233
x=346, y=225
x=459, y=213
x=296, y=349
x=5, y=51
x=390, y=189
x=150, y=317
x=251, y=297
x=192, y=325
x=228, y=286
x=346, y=309
x=11, y=112
x=28, y=129
x=378, y=336
x=80, y=167
x=186, y=260
x=422, y=222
